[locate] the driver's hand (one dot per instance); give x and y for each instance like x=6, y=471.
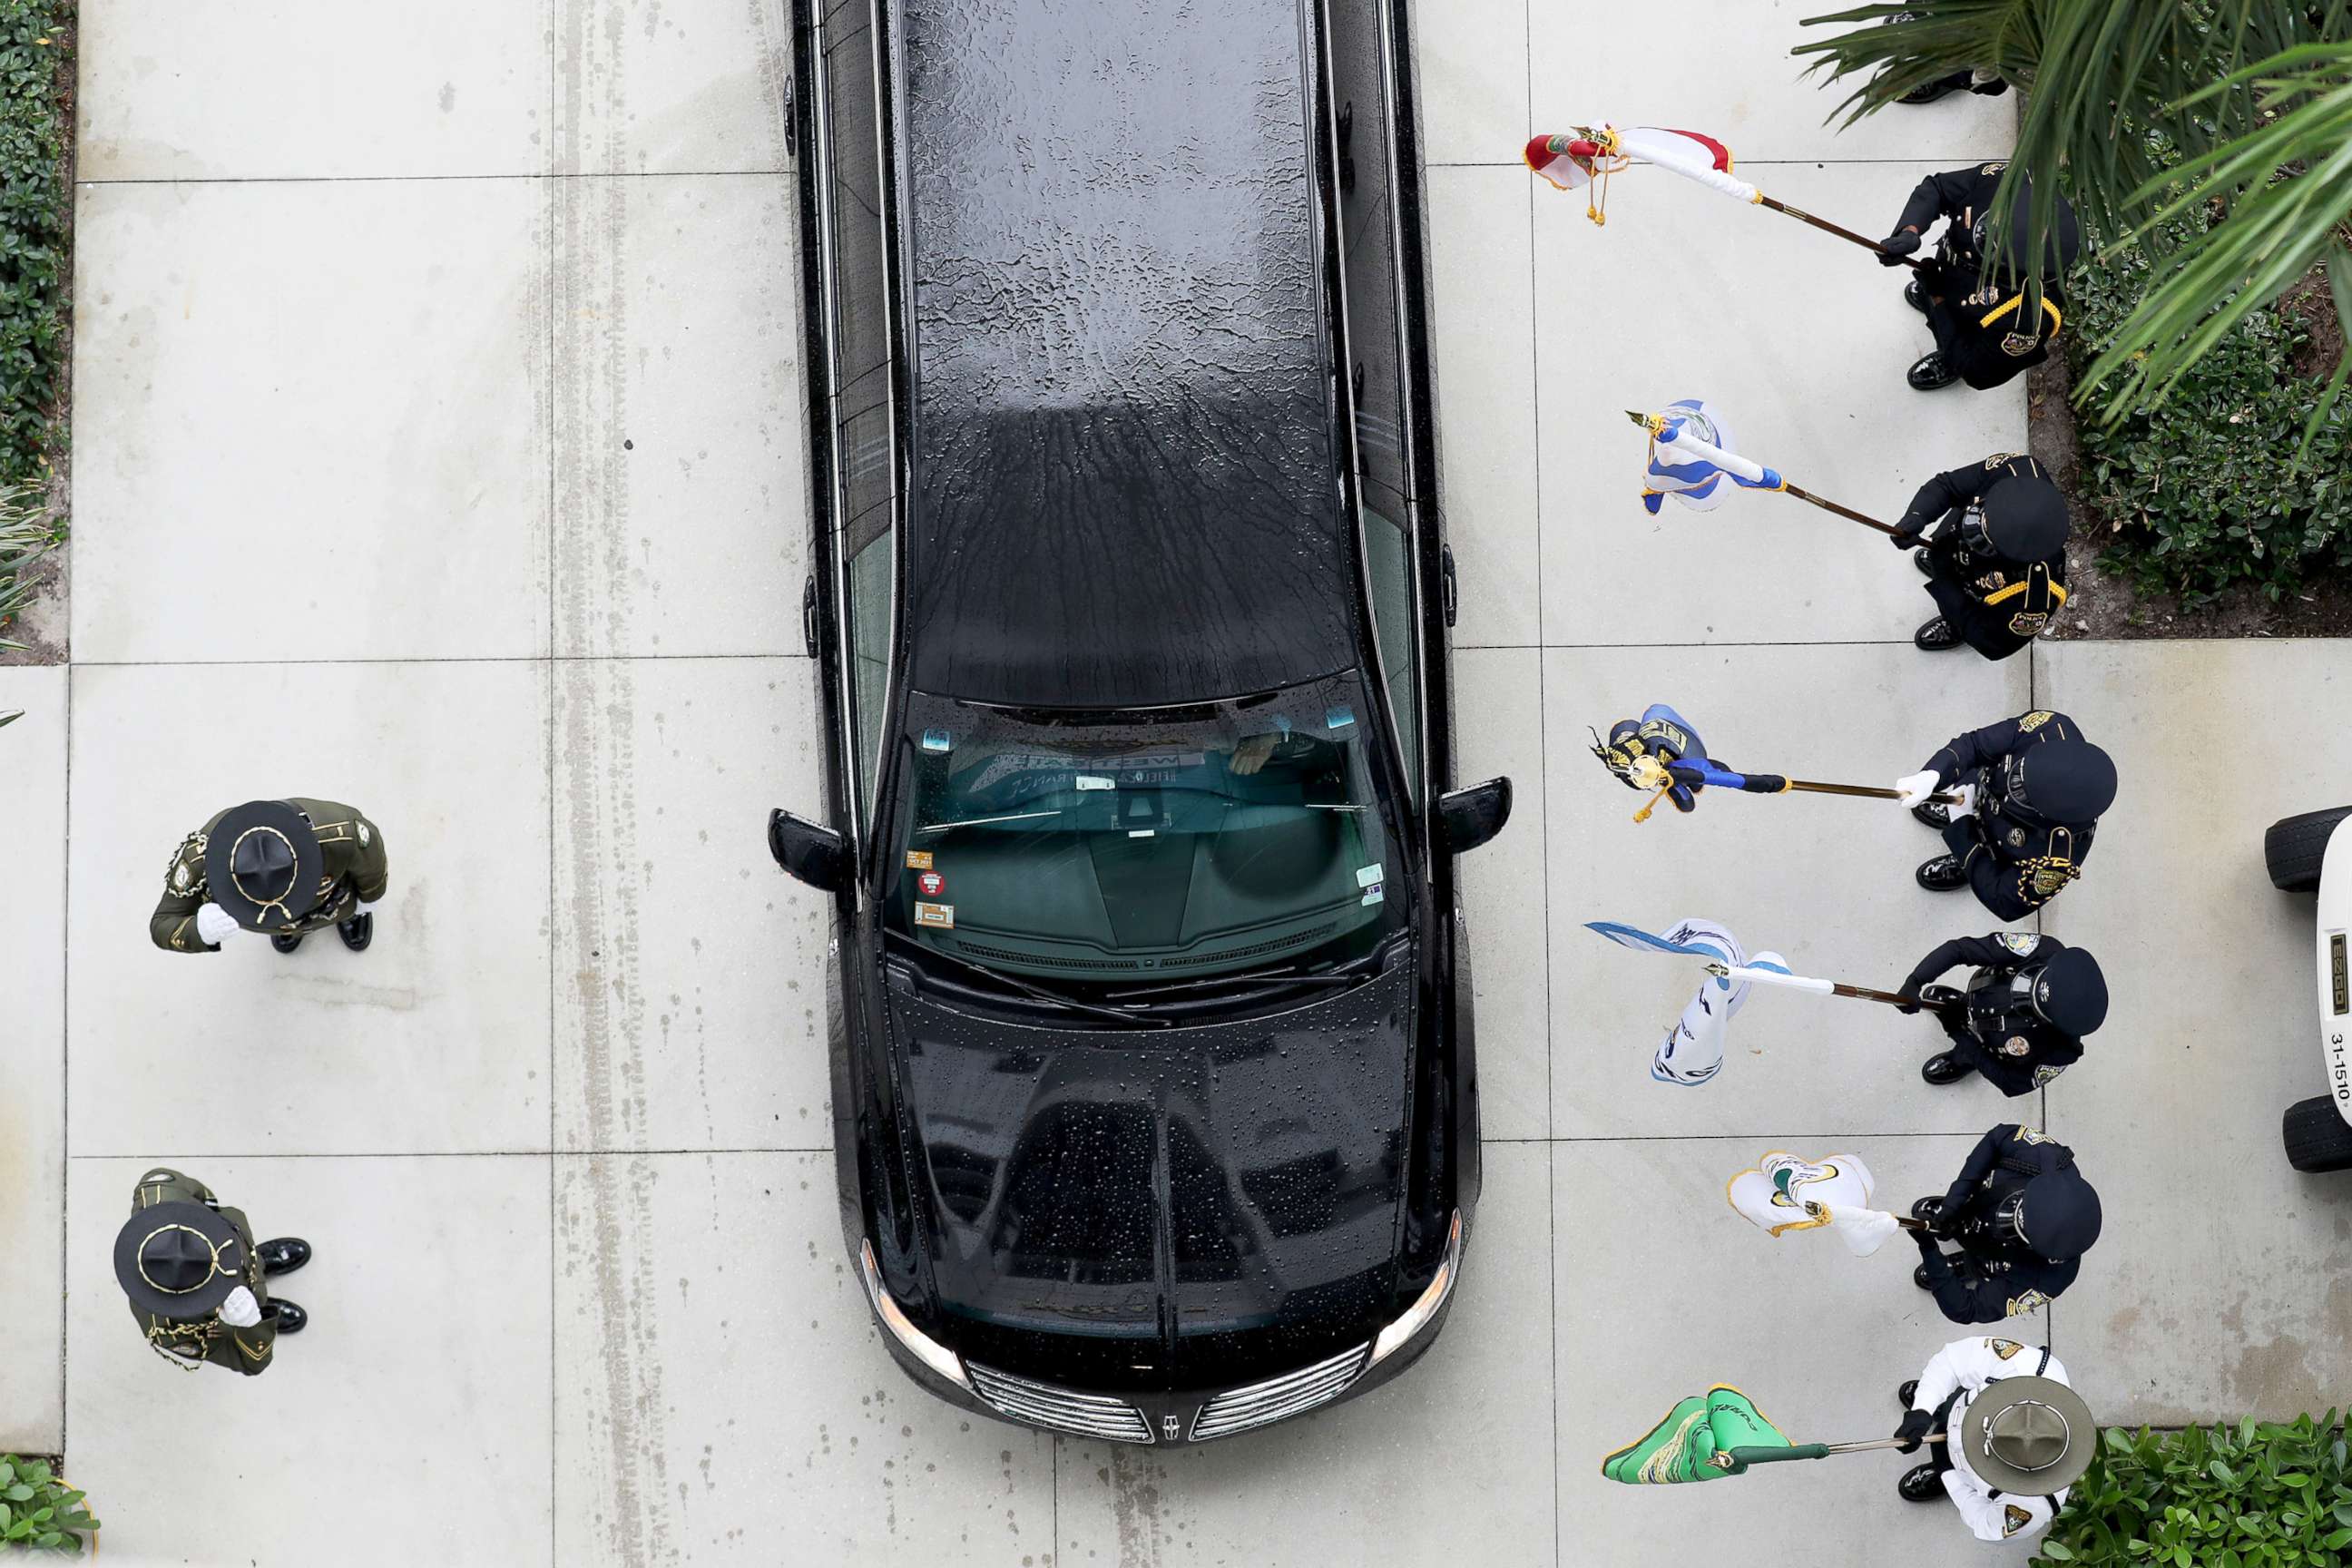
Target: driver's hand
x=1252, y=753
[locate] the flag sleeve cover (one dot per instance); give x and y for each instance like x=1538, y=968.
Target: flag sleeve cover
x=1773, y=1193
x=1682, y=1447
x=1689, y=154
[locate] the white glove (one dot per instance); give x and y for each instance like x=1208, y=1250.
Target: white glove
x=240, y=1310
x=1915, y=788
x=213, y=924
x=1966, y=805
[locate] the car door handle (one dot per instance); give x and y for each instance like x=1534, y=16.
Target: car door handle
x=808, y=615
x=1453, y=595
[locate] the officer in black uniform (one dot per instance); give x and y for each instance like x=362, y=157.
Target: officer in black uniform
x=2035, y=789
x=1977, y=311
x=1996, y=563
x=2021, y=1018
x=2023, y=1216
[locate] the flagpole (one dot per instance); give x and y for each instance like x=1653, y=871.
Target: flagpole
x=1802, y=216
x=1739, y=1458
x=1828, y=987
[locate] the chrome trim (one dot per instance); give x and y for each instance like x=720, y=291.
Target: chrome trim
x=1262, y=1404
x=1059, y=1409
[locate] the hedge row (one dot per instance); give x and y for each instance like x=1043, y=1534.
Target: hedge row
x=35, y=212
x=2252, y=1495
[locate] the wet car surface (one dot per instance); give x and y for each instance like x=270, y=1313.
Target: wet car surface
x=1154, y=1080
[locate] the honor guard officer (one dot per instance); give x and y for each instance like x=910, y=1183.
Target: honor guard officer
x=1976, y=307
x=2023, y=1216
x=2022, y=1019
x=2016, y=1436
x=1996, y=562
x=195, y=1277
x=286, y=868
x=2034, y=789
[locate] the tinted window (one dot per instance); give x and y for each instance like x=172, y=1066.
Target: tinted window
x=1388, y=554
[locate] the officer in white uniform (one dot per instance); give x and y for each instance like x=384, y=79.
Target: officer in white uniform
x=2017, y=1436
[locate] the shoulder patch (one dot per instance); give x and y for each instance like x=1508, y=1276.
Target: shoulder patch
x=2020, y=942
x=1992, y=168
x=185, y=875
x=362, y=828
x=2013, y=1520
x=2033, y=1300
x=2043, y=1075
x=2002, y=460
x=2028, y=1135
x=2005, y=1349
x=2035, y=720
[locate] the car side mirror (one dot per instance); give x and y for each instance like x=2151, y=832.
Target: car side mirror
x=1468, y=817
x=809, y=851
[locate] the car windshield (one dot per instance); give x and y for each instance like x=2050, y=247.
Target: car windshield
x=1143, y=848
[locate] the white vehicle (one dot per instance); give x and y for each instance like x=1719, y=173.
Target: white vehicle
x=2307, y=854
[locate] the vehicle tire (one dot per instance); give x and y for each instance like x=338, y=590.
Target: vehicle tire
x=2295, y=846
x=2317, y=1137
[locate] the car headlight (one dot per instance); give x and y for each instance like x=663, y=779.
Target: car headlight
x=1417, y=1315
x=927, y=1350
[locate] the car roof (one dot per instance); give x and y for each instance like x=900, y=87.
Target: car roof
x=1124, y=488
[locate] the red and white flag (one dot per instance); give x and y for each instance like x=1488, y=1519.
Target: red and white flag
x=1571, y=159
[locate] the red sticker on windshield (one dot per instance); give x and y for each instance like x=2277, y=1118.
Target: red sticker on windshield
x=933, y=884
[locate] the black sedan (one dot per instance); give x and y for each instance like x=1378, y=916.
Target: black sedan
x=1154, y=1089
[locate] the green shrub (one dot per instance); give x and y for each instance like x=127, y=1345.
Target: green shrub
x=2205, y=484
x=35, y=210
x=26, y=534
x=2254, y=1495
x=37, y=1510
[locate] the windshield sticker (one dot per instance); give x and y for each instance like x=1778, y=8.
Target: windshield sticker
x=937, y=740
x=1142, y=832
x=1095, y=781
x=931, y=884
x=1369, y=877
x=1338, y=717
x=939, y=916
x=918, y=860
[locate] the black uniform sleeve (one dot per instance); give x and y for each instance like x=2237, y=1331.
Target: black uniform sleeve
x=2003, y=887
x=1966, y=752
x=1938, y=496
x=2013, y=1076
x=172, y=926
x=1935, y=196
x=1973, y=1299
x=1981, y=1161
x=1977, y=952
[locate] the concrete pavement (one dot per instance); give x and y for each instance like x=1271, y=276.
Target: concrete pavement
x=458, y=356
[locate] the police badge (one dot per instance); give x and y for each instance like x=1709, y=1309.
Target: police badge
x=2027, y=624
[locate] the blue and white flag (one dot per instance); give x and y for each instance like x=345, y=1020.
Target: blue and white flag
x=1691, y=457
x=1692, y=1052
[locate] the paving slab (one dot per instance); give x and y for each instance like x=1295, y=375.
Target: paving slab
x=1801, y=341
x=1482, y=338
x=1825, y=881
x=723, y=1395
x=1451, y=1458
x=1500, y=719
x=1723, y=68
x=274, y=89
x=437, y=1037
x=2222, y=1281
x=1663, y=1291
x=1471, y=62
x=642, y=87
x=690, y=981
x=32, y=1105
x=405, y=1424
x=681, y=509
x=310, y=421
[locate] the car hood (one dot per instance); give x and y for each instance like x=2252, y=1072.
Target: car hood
x=1169, y=1204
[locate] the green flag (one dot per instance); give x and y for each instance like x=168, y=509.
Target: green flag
x=1684, y=1447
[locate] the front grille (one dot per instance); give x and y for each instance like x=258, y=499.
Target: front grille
x=1239, y=1409
x=1062, y=1409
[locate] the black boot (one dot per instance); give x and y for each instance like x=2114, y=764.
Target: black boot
x=1936, y=636
x=1924, y=559
x=1907, y=1392
x=284, y=1254
x=1944, y=1067
x=1931, y=372
x=357, y=931
x=1919, y=1277
x=1942, y=875
x=1915, y=294
x=286, y=1317
x=1942, y=87
x=287, y=943
x=1921, y=1483
x=1934, y=813
x=1928, y=1209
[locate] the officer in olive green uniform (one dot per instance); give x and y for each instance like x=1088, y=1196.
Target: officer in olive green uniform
x=194, y=1275
x=285, y=867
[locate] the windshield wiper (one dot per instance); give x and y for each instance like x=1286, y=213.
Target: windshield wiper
x=1265, y=979
x=1030, y=989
